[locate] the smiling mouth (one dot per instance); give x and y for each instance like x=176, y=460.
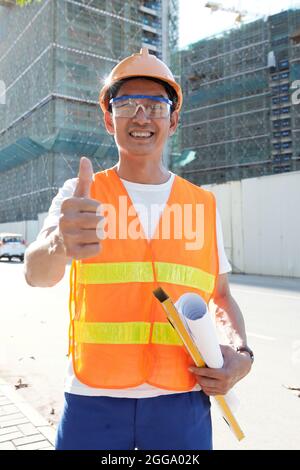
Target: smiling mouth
x=141, y=134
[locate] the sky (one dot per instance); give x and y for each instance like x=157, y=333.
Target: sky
x=197, y=22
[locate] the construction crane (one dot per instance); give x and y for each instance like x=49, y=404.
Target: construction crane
x=214, y=6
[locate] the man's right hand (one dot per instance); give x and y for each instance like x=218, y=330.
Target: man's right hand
x=80, y=216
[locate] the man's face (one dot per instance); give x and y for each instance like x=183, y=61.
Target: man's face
x=140, y=135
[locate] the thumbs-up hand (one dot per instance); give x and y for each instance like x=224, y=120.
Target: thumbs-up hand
x=80, y=217
x=85, y=178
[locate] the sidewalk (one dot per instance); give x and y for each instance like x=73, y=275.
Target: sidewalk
x=22, y=427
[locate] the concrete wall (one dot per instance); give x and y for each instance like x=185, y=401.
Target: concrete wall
x=261, y=223
x=28, y=228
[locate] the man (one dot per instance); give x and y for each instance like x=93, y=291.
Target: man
x=131, y=383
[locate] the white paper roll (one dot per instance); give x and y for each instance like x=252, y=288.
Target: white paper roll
x=197, y=319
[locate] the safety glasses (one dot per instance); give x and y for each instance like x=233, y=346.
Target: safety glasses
x=154, y=107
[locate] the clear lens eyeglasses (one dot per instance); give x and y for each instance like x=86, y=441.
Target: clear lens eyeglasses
x=154, y=107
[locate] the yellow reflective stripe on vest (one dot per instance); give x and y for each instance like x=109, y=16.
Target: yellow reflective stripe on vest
x=172, y=273
x=185, y=276
x=125, y=333
x=164, y=333
x=112, y=333
x=110, y=273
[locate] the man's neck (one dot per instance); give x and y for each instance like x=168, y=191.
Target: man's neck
x=143, y=174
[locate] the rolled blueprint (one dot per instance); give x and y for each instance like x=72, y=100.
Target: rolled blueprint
x=197, y=319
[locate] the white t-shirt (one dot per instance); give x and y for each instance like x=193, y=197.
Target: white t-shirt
x=144, y=197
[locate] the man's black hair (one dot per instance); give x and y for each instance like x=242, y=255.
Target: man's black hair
x=172, y=95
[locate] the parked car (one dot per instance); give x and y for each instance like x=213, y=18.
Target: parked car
x=12, y=245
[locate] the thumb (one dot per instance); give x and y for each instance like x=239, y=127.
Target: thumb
x=85, y=178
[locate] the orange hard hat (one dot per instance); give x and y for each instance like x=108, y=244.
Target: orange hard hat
x=142, y=64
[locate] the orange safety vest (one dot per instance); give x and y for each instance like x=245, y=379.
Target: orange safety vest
x=119, y=334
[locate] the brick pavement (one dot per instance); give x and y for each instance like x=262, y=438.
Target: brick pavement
x=21, y=426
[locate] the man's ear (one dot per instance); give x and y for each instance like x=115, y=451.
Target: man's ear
x=173, y=122
x=109, y=124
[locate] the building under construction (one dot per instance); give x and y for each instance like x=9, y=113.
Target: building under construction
x=239, y=119
x=54, y=56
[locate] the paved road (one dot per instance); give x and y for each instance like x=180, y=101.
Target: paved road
x=34, y=338
x=33, y=347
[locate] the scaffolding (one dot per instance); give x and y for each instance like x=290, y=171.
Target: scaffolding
x=54, y=57
x=233, y=97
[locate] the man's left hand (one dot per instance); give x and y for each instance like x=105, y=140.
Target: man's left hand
x=219, y=381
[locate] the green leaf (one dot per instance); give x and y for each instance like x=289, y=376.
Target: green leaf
x=23, y=3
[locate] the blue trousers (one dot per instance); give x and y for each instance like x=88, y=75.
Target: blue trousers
x=168, y=422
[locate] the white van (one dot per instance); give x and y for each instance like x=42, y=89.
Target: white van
x=12, y=245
